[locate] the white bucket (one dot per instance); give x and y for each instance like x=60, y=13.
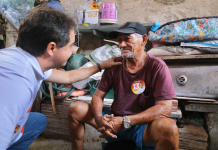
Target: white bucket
x=109, y=13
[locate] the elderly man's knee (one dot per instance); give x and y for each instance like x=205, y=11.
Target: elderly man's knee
x=74, y=108
x=167, y=128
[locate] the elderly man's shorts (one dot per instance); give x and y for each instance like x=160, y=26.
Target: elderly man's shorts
x=135, y=134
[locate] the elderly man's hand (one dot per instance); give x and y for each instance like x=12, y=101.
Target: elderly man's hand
x=109, y=63
x=117, y=126
x=107, y=133
x=103, y=122
x=117, y=123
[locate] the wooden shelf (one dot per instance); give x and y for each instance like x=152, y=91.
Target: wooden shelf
x=106, y=28
x=204, y=56
x=103, y=30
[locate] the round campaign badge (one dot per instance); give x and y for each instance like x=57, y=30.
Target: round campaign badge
x=17, y=129
x=138, y=86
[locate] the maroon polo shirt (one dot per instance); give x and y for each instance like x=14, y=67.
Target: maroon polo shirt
x=136, y=92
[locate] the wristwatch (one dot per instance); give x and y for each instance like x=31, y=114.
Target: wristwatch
x=126, y=122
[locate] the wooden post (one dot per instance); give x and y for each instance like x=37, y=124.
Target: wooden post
x=11, y=34
x=212, y=124
x=52, y=97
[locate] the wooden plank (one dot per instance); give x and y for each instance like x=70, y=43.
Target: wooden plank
x=189, y=57
x=193, y=133
x=192, y=138
x=212, y=124
x=201, y=107
x=203, y=102
x=55, y=135
x=192, y=145
x=197, y=99
x=60, y=108
x=57, y=122
x=57, y=130
x=57, y=115
x=193, y=130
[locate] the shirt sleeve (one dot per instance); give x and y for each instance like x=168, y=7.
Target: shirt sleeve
x=163, y=88
x=104, y=85
x=47, y=74
x=14, y=98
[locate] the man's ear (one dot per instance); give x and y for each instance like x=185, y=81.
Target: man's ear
x=145, y=39
x=50, y=48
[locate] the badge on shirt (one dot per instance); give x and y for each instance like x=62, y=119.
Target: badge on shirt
x=17, y=129
x=138, y=87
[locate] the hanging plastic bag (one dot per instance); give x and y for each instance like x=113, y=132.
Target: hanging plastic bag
x=103, y=53
x=15, y=10
x=84, y=83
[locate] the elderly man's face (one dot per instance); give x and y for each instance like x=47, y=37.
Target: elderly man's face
x=129, y=44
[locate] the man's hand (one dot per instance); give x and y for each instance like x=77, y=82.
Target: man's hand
x=106, y=130
x=109, y=63
x=117, y=126
x=117, y=123
x=103, y=122
x=106, y=133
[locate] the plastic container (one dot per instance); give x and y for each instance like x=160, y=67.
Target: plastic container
x=113, y=21
x=89, y=16
x=109, y=13
x=93, y=86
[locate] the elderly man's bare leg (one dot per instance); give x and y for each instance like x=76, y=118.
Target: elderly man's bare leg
x=164, y=133
x=78, y=114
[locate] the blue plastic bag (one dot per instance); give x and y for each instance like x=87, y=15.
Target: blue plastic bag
x=55, y=4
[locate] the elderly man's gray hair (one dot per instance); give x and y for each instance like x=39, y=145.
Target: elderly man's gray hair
x=139, y=36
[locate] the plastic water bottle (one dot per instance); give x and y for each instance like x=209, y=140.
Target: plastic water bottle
x=15, y=11
x=10, y=14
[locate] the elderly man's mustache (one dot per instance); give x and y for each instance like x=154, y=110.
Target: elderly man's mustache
x=126, y=48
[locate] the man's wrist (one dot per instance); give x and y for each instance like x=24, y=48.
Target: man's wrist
x=99, y=67
x=102, y=65
x=126, y=122
x=131, y=120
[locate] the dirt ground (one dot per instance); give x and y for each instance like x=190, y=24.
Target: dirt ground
x=42, y=143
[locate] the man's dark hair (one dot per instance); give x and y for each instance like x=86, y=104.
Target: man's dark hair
x=42, y=26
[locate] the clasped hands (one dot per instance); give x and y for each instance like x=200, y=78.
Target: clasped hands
x=108, y=125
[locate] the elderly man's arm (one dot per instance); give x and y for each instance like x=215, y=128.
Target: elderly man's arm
x=97, y=104
x=161, y=110
x=101, y=121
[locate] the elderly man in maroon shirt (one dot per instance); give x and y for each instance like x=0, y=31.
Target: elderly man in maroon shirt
x=143, y=91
